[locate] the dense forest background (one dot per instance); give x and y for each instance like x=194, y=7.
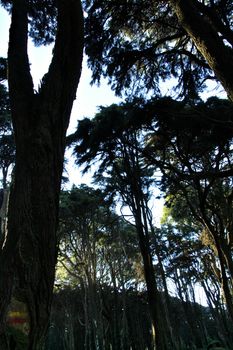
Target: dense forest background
x=123, y=281
x=100, y=292
x=103, y=252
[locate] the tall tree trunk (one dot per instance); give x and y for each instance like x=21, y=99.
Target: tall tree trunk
x=207, y=40
x=136, y=201
x=167, y=301
x=152, y=290
x=40, y=121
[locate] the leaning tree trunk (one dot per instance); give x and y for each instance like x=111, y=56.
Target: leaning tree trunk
x=40, y=121
x=207, y=40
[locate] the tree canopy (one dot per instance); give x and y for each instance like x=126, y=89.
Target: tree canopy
x=190, y=146
x=121, y=282
x=141, y=43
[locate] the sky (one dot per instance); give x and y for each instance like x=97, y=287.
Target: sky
x=88, y=97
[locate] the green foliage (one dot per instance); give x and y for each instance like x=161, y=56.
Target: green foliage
x=105, y=129
x=94, y=238
x=173, y=136
x=190, y=143
x=42, y=19
x=138, y=44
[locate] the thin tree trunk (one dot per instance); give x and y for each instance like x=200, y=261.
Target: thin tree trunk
x=136, y=201
x=152, y=291
x=222, y=328
x=186, y=306
x=167, y=306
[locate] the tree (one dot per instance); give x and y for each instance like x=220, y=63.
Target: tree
x=191, y=145
x=210, y=29
x=189, y=263
x=7, y=155
x=194, y=155
x=40, y=120
x=188, y=40
x=7, y=147
x=99, y=252
x=107, y=139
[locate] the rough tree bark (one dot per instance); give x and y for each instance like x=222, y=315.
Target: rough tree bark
x=207, y=40
x=40, y=121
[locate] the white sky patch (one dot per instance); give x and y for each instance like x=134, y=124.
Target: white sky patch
x=88, y=98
